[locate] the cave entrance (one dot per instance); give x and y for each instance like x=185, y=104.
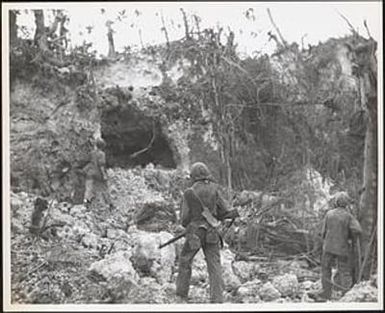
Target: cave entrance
x=134, y=139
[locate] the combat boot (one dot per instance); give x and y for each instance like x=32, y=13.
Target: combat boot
x=320, y=296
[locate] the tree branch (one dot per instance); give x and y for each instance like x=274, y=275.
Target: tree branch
x=135, y=154
x=367, y=29
x=284, y=42
x=350, y=25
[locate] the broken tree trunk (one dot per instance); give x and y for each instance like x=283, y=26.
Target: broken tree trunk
x=12, y=26
x=367, y=73
x=110, y=37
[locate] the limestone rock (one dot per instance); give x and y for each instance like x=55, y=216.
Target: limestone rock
x=149, y=259
x=150, y=291
x=249, y=288
x=199, y=272
x=115, y=265
x=268, y=293
x=244, y=270
x=198, y=294
x=232, y=282
x=364, y=291
x=78, y=211
x=286, y=284
x=306, y=285
x=122, y=289
x=90, y=241
x=155, y=215
x=16, y=202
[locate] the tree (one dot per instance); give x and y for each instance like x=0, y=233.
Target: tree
x=110, y=37
x=13, y=26
x=364, y=54
x=49, y=44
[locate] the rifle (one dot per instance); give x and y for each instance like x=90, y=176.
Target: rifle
x=176, y=238
x=173, y=240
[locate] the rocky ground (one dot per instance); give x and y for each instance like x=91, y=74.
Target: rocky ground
x=99, y=256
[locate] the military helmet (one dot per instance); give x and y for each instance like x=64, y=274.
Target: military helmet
x=341, y=199
x=199, y=171
x=100, y=143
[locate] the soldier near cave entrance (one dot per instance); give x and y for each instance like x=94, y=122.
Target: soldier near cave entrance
x=340, y=230
x=202, y=209
x=96, y=176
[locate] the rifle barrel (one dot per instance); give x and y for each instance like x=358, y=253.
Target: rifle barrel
x=172, y=240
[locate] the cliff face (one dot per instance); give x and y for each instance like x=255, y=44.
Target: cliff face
x=134, y=103
x=52, y=126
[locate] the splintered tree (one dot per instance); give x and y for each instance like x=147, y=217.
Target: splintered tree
x=13, y=25
x=364, y=54
x=110, y=37
x=51, y=46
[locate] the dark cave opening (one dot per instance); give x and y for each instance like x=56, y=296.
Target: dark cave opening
x=133, y=139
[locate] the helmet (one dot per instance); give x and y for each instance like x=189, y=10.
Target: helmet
x=341, y=199
x=100, y=143
x=199, y=171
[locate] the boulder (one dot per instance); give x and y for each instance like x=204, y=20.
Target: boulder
x=232, y=282
x=197, y=294
x=16, y=202
x=115, y=265
x=286, y=284
x=245, y=270
x=365, y=291
x=78, y=211
x=249, y=291
x=250, y=288
x=122, y=289
x=90, y=241
x=199, y=272
x=80, y=228
x=306, y=285
x=155, y=216
x=150, y=291
x=268, y=293
x=149, y=260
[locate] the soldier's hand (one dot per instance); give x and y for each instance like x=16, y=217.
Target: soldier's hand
x=179, y=229
x=233, y=214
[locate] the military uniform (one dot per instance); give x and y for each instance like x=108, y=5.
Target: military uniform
x=339, y=227
x=95, y=184
x=200, y=234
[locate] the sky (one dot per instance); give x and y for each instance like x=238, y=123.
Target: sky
x=307, y=22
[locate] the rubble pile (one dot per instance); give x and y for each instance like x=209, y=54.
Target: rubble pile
x=92, y=257
x=365, y=291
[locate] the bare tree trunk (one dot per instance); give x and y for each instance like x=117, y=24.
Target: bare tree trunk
x=368, y=200
x=41, y=38
x=197, y=24
x=141, y=39
x=12, y=26
x=186, y=28
x=39, y=22
x=165, y=30
x=110, y=37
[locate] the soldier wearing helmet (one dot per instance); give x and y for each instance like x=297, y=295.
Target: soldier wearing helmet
x=339, y=228
x=202, y=207
x=96, y=176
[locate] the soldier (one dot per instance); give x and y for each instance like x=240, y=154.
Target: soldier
x=202, y=207
x=339, y=227
x=96, y=176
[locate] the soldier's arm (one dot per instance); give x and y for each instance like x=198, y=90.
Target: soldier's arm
x=185, y=213
x=102, y=164
x=354, y=226
x=223, y=210
x=324, y=227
